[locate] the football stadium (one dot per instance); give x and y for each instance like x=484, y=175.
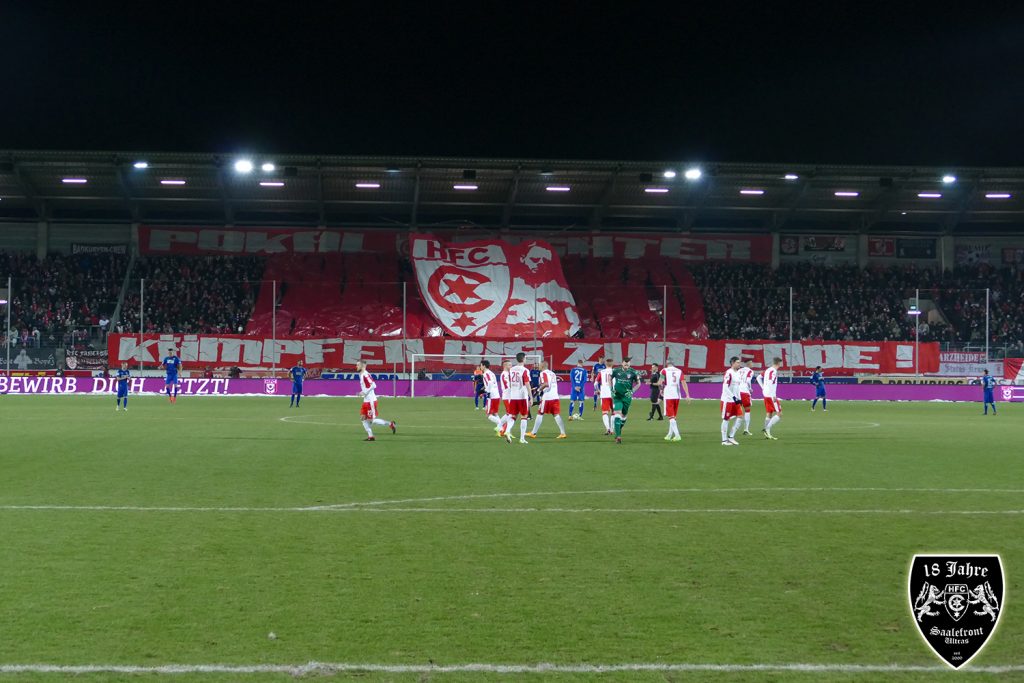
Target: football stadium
x=278, y=416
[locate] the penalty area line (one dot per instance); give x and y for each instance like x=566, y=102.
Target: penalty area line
x=487, y=668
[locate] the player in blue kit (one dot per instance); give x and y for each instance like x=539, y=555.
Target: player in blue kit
x=122, y=386
x=478, y=388
x=988, y=391
x=818, y=380
x=171, y=366
x=535, y=384
x=596, y=374
x=298, y=374
x=578, y=388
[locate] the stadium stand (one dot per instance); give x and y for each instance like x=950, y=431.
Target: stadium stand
x=601, y=286
x=338, y=294
x=962, y=298
x=829, y=302
x=60, y=300
x=195, y=294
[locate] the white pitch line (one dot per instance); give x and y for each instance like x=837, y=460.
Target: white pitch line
x=448, y=510
x=757, y=489
x=379, y=505
x=347, y=667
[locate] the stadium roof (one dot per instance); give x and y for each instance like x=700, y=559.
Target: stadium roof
x=178, y=188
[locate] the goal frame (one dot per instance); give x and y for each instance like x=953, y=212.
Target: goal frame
x=474, y=359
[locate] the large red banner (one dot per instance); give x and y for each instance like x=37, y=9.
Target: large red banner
x=1013, y=369
x=200, y=351
x=155, y=240
x=491, y=288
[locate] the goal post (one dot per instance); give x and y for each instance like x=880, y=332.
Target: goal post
x=453, y=363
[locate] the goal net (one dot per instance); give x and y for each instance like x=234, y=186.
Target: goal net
x=426, y=366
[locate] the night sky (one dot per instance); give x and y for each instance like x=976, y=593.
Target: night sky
x=833, y=82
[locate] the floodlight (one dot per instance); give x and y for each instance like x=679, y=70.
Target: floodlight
x=141, y=164
x=669, y=174
x=268, y=167
x=243, y=166
x=693, y=174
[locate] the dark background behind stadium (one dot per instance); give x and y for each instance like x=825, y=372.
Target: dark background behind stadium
x=838, y=82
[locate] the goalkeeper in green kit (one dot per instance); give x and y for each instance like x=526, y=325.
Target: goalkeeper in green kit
x=624, y=382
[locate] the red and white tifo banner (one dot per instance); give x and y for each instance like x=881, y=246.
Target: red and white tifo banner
x=697, y=357
x=495, y=289
x=1013, y=369
x=238, y=241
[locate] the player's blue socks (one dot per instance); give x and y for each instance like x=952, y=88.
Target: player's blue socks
x=298, y=399
x=571, y=403
x=824, y=403
x=291, y=401
x=582, y=403
x=814, y=403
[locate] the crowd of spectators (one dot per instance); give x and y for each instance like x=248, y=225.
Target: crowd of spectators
x=961, y=296
x=192, y=294
x=63, y=299
x=829, y=302
x=863, y=304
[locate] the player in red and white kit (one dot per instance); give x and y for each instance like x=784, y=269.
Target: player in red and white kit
x=368, y=413
x=671, y=380
x=518, y=399
x=549, y=402
x=604, y=378
x=746, y=380
x=492, y=393
x=769, y=381
x=731, y=404
x=503, y=384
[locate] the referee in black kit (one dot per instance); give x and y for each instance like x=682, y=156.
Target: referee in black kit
x=655, y=392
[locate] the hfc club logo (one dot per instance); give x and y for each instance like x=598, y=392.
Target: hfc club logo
x=956, y=601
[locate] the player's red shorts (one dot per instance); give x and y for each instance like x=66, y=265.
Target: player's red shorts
x=517, y=406
x=730, y=409
x=550, y=408
x=368, y=411
x=671, y=407
x=745, y=398
x=606, y=405
x=492, y=406
x=772, y=405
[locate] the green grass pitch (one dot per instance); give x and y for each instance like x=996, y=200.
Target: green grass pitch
x=443, y=544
